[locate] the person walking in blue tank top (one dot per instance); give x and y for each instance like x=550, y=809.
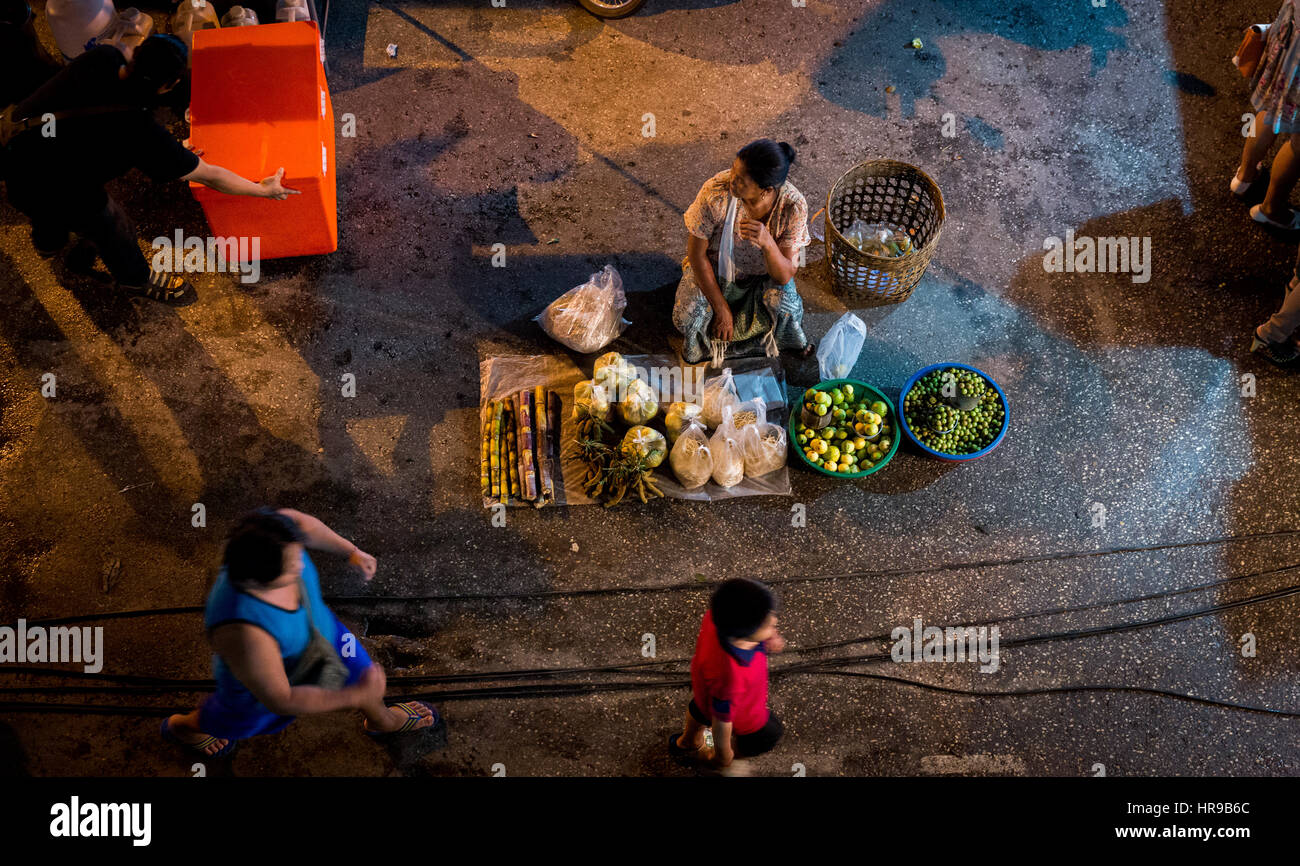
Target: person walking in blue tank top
x=260, y=624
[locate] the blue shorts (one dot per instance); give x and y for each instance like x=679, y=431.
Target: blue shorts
x=239, y=716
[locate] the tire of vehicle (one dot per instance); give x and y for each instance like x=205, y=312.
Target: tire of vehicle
x=611, y=8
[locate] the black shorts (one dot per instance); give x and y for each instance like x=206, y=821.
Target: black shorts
x=751, y=744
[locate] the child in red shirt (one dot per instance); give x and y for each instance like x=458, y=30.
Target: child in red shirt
x=729, y=677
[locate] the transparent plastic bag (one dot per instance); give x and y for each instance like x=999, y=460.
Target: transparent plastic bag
x=590, y=401
x=719, y=393
x=679, y=415
x=639, y=404
x=615, y=373
x=239, y=16
x=292, y=10
x=878, y=239
x=727, y=245
x=193, y=15
x=728, y=458
x=841, y=346
x=588, y=317
x=763, y=445
x=691, y=458
x=127, y=30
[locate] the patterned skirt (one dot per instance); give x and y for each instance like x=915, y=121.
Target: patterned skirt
x=1277, y=81
x=693, y=314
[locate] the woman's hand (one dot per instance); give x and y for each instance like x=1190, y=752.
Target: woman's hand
x=272, y=187
x=363, y=561
x=723, y=325
x=755, y=231
x=372, y=685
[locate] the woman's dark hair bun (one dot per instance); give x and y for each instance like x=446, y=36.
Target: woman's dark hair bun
x=788, y=151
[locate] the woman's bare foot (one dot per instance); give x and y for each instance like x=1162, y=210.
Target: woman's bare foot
x=184, y=729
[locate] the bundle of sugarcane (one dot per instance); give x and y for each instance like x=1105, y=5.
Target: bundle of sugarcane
x=512, y=444
x=553, y=447
x=527, y=452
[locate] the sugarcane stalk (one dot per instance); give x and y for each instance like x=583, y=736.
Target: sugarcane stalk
x=527, y=468
x=546, y=487
x=553, y=436
x=496, y=450
x=485, y=445
x=512, y=440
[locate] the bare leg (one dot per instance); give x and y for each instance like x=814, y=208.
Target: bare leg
x=1286, y=171
x=1255, y=149
x=186, y=728
x=692, y=734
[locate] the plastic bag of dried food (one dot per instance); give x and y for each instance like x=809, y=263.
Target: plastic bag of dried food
x=588, y=317
x=639, y=403
x=590, y=401
x=746, y=414
x=691, y=458
x=728, y=458
x=645, y=443
x=763, y=445
x=719, y=392
x=841, y=346
x=678, y=416
x=615, y=373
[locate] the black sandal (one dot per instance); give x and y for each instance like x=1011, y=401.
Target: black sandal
x=165, y=288
x=808, y=350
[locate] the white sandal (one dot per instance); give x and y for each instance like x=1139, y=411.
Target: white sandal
x=1258, y=215
x=1241, y=187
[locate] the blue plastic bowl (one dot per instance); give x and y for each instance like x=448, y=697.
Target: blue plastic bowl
x=952, y=458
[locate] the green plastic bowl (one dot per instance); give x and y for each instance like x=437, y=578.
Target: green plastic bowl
x=859, y=387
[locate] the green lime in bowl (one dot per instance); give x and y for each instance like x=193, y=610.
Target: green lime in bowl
x=853, y=433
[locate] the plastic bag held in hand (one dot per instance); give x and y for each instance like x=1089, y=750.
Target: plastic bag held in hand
x=727, y=246
x=588, y=317
x=841, y=346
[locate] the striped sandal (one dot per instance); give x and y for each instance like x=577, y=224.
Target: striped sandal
x=413, y=719
x=202, y=745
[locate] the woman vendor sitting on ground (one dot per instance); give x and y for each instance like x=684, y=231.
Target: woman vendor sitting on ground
x=760, y=310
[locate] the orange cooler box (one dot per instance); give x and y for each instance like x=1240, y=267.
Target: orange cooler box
x=259, y=101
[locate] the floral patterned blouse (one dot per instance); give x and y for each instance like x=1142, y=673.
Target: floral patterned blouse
x=787, y=223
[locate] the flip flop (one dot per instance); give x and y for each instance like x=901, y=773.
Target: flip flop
x=413, y=718
x=1258, y=215
x=164, y=288
x=207, y=740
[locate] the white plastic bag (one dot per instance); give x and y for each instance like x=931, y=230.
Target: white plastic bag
x=727, y=246
x=719, y=392
x=588, y=317
x=691, y=457
x=763, y=444
x=728, y=458
x=841, y=346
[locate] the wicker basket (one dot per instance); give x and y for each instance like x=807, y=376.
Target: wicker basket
x=889, y=192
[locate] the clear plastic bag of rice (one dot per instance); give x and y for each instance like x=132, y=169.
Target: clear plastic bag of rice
x=679, y=415
x=728, y=457
x=719, y=393
x=588, y=317
x=691, y=457
x=763, y=445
